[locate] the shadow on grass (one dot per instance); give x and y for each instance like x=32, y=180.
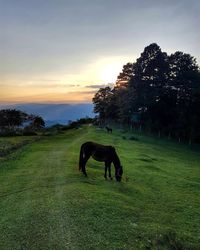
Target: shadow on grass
x=145, y=157
x=152, y=167
x=169, y=240
x=145, y=160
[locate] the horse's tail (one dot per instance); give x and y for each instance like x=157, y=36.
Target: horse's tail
x=81, y=158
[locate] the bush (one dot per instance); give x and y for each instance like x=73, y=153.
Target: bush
x=10, y=132
x=28, y=130
x=27, y=133
x=132, y=138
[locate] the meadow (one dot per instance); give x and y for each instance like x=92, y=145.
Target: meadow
x=46, y=203
x=10, y=144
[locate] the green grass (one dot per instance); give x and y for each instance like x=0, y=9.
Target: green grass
x=9, y=144
x=45, y=203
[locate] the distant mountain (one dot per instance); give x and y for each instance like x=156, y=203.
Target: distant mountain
x=55, y=113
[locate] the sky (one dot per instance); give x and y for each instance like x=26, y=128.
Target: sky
x=62, y=51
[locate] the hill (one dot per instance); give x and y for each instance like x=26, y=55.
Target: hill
x=46, y=203
x=56, y=113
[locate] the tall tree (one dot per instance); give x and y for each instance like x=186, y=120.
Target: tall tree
x=152, y=66
x=184, y=79
x=150, y=74
x=163, y=90
x=125, y=76
x=102, y=101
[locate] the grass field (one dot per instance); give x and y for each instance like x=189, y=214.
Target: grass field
x=9, y=144
x=45, y=203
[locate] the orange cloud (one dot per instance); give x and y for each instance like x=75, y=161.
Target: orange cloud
x=70, y=97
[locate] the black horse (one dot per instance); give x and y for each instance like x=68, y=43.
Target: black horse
x=100, y=153
x=109, y=130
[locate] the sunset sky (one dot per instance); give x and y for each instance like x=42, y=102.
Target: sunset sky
x=64, y=50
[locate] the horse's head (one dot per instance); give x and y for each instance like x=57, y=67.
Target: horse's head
x=118, y=174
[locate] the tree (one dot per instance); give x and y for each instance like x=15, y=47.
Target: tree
x=164, y=90
x=150, y=73
x=184, y=79
x=152, y=66
x=125, y=76
x=38, y=122
x=11, y=118
x=102, y=102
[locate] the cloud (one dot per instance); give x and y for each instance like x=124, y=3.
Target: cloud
x=73, y=85
x=45, y=80
x=98, y=86
x=68, y=97
x=39, y=84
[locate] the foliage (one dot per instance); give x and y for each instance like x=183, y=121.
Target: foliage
x=163, y=89
x=76, y=124
x=10, y=118
x=38, y=122
x=124, y=77
x=59, y=128
x=103, y=102
x=15, y=122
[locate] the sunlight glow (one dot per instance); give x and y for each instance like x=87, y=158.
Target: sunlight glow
x=63, y=86
x=110, y=72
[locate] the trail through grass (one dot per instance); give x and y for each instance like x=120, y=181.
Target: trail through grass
x=45, y=203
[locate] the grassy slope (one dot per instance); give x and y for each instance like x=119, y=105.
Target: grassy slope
x=45, y=203
x=9, y=144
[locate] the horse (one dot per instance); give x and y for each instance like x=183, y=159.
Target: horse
x=102, y=153
x=109, y=129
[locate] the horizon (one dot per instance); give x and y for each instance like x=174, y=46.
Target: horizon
x=54, y=113
x=45, y=103
x=63, y=52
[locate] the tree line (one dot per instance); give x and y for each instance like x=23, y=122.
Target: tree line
x=16, y=122
x=158, y=92
x=11, y=120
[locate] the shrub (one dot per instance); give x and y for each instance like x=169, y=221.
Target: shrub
x=132, y=138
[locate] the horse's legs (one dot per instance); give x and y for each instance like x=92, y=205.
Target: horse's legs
x=83, y=168
x=108, y=167
x=85, y=159
x=109, y=171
